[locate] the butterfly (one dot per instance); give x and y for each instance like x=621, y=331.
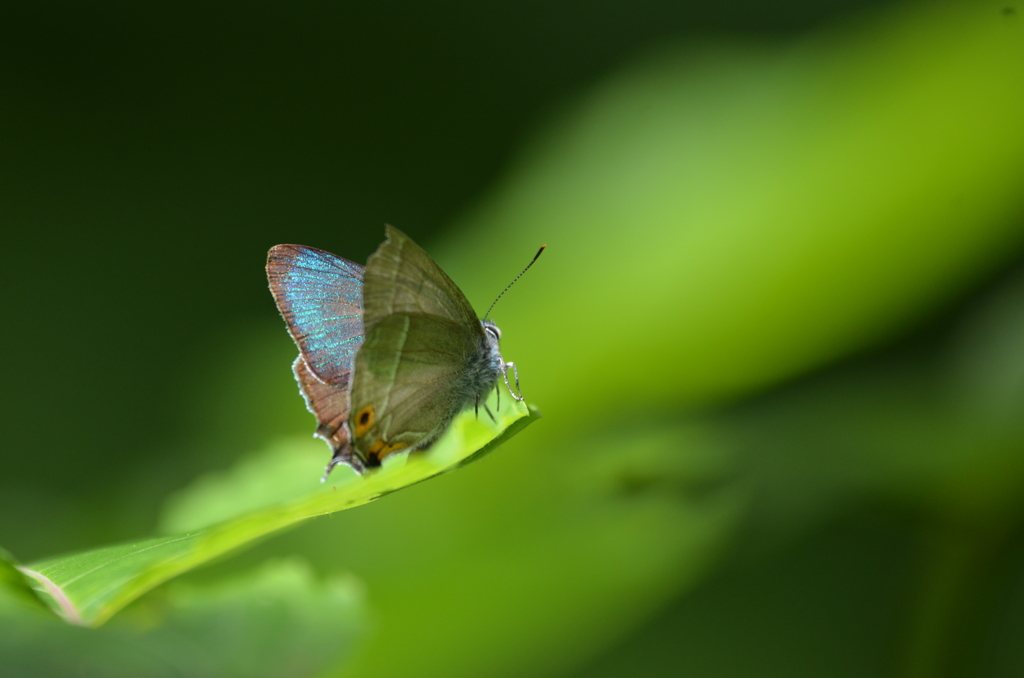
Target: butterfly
x=396, y=342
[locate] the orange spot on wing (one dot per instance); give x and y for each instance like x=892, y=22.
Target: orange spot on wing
x=381, y=449
x=394, y=447
x=364, y=420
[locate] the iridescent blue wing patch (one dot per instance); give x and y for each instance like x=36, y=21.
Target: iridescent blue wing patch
x=320, y=296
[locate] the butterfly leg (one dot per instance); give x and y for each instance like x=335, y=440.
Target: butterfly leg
x=491, y=414
x=504, y=372
x=476, y=406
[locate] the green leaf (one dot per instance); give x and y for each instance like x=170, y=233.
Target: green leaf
x=87, y=588
x=15, y=584
x=278, y=620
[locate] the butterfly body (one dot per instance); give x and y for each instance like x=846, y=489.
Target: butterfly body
x=389, y=354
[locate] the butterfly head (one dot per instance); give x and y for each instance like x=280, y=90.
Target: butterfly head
x=492, y=331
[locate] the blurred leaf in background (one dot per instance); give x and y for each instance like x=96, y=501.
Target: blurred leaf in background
x=777, y=343
x=278, y=620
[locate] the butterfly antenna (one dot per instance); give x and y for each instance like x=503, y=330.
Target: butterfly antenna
x=535, y=257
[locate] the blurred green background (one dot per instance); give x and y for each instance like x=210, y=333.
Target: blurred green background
x=778, y=336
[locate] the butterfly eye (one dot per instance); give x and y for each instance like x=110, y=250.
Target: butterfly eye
x=364, y=420
x=493, y=330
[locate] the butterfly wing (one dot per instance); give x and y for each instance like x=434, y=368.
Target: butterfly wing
x=401, y=278
x=330, y=405
x=320, y=297
x=423, y=355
